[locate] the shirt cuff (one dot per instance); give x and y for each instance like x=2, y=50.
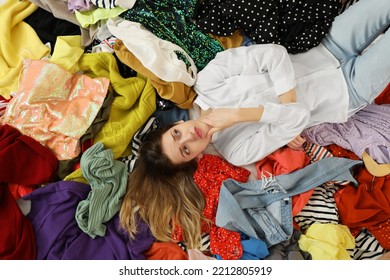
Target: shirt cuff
x=271, y=113
x=284, y=85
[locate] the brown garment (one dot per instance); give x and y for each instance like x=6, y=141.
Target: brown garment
x=232, y=41
x=177, y=92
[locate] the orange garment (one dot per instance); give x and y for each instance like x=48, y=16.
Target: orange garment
x=283, y=161
x=367, y=206
x=165, y=251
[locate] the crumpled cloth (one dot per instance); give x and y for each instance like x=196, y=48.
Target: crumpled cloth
x=108, y=180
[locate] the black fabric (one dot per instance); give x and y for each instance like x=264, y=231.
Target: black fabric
x=49, y=27
x=298, y=25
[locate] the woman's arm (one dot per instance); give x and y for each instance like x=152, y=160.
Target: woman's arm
x=218, y=84
x=223, y=118
x=298, y=141
x=288, y=97
x=247, y=143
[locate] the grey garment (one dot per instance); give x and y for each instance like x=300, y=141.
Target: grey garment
x=59, y=9
x=263, y=209
x=288, y=250
x=368, y=130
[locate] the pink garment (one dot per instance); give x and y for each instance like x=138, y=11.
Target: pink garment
x=55, y=107
x=195, y=254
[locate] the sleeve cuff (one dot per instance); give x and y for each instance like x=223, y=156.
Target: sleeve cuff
x=271, y=113
x=284, y=85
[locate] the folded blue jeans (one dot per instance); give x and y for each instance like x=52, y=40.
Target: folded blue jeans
x=262, y=209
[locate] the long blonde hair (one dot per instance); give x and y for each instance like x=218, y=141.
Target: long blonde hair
x=163, y=195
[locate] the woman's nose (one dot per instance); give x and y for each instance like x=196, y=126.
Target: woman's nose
x=188, y=137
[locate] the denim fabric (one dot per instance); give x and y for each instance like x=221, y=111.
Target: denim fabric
x=263, y=209
x=366, y=73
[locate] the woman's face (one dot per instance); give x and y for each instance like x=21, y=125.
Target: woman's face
x=185, y=141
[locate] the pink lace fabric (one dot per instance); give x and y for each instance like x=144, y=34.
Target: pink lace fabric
x=55, y=107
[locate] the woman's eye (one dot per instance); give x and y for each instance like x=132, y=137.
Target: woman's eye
x=186, y=150
x=176, y=133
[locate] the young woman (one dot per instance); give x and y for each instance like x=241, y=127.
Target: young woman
x=254, y=100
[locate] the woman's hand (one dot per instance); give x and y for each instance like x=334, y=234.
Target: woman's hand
x=220, y=119
x=297, y=143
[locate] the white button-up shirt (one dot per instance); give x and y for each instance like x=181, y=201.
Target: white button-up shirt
x=255, y=76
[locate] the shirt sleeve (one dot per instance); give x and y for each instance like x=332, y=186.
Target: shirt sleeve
x=275, y=60
x=261, y=58
x=247, y=143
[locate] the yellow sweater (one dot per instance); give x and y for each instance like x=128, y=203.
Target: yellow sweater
x=135, y=103
x=18, y=40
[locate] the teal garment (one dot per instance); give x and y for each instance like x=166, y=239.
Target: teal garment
x=108, y=180
x=173, y=21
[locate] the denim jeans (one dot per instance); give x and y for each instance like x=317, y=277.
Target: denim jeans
x=263, y=209
x=367, y=73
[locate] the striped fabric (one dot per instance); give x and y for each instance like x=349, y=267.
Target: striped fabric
x=110, y=4
x=137, y=140
x=322, y=208
x=366, y=247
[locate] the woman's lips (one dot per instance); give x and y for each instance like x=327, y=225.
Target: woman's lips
x=198, y=132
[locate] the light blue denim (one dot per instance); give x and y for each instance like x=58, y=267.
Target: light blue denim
x=366, y=74
x=263, y=209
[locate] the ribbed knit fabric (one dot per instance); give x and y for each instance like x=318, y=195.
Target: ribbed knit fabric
x=134, y=103
x=108, y=180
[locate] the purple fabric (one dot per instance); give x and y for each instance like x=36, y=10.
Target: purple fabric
x=79, y=5
x=58, y=236
x=368, y=130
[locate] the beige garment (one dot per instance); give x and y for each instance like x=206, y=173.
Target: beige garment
x=176, y=92
x=374, y=168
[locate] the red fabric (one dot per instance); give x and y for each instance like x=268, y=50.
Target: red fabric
x=384, y=97
x=17, y=240
x=338, y=151
x=23, y=160
x=3, y=103
x=283, y=161
x=165, y=251
x=381, y=232
x=211, y=172
x=17, y=191
x=367, y=206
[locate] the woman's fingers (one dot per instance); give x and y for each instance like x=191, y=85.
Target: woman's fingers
x=297, y=143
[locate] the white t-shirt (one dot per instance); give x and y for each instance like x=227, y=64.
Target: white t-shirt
x=257, y=75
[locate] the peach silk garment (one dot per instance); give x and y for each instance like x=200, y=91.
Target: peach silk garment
x=55, y=107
